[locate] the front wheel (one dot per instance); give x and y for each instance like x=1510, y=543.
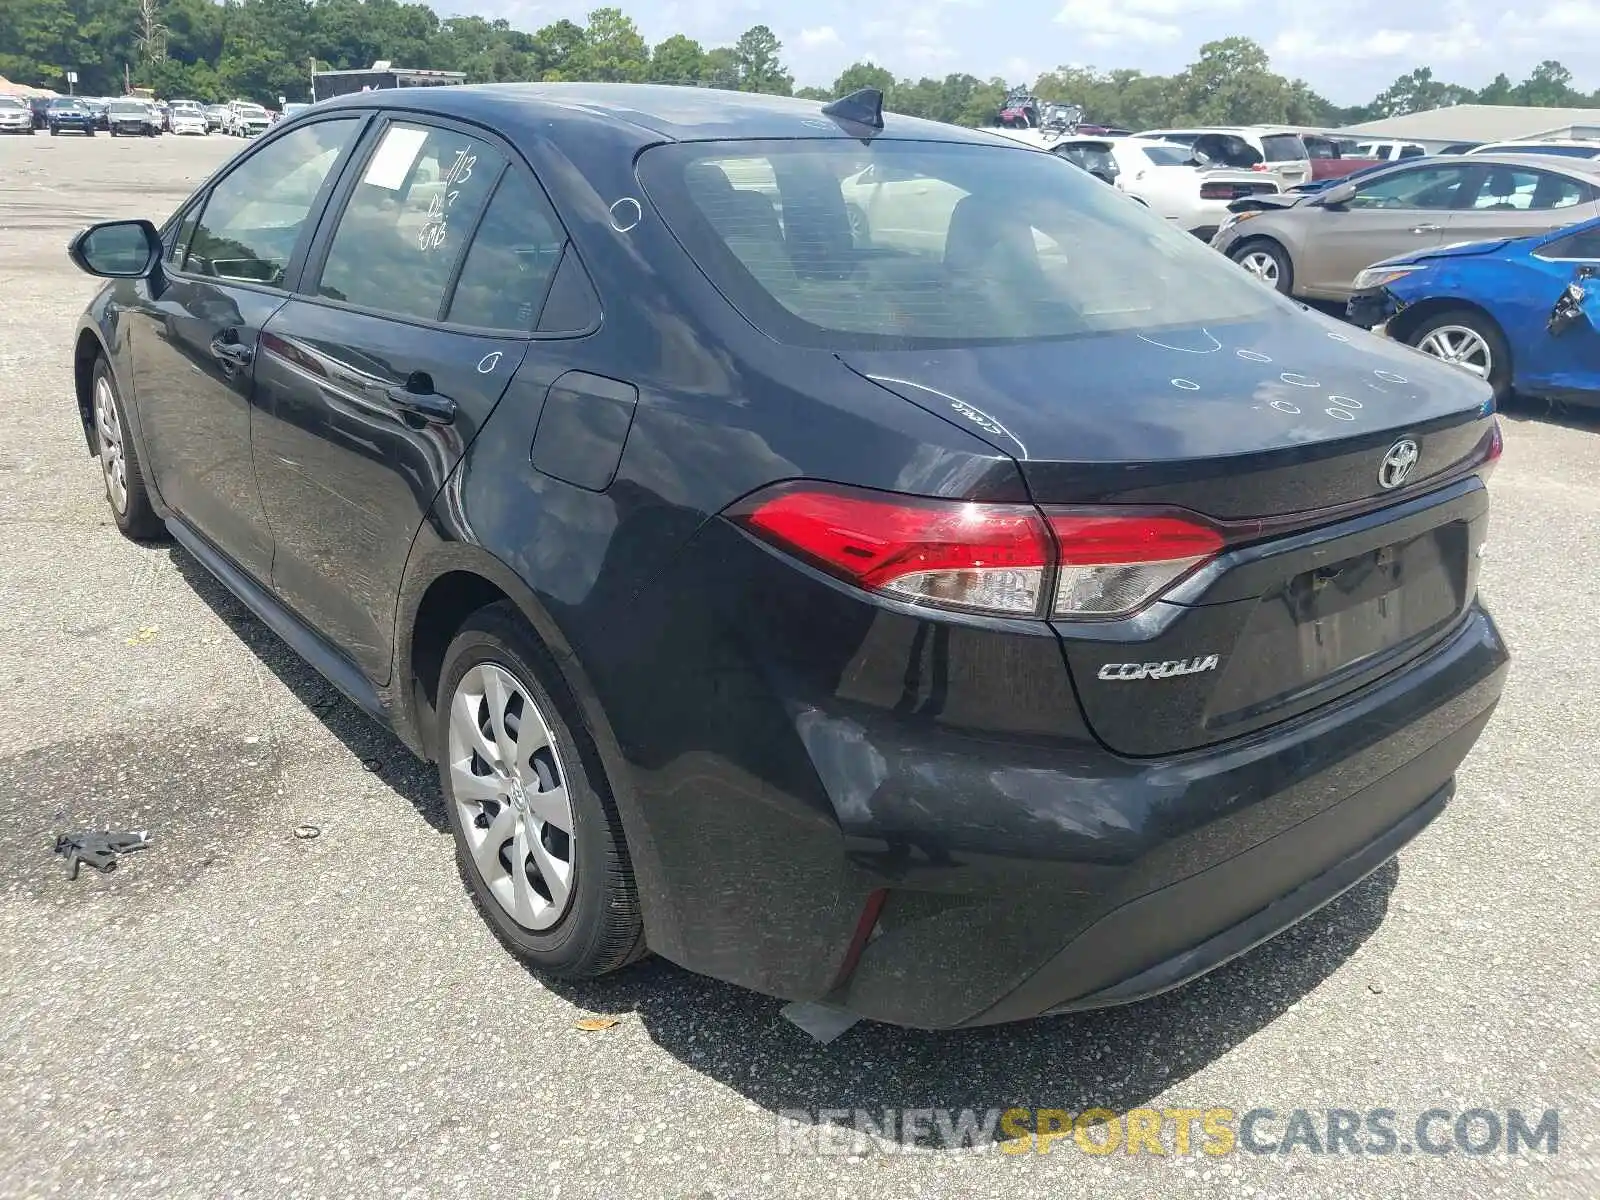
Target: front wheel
x=538, y=838
x=120, y=468
x=1268, y=262
x=1469, y=340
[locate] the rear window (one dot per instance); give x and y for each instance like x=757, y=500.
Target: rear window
x=832, y=244
x=1166, y=156
x=1283, y=147
x=1562, y=151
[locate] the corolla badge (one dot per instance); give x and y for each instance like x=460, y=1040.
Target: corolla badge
x=1397, y=463
x=1160, y=670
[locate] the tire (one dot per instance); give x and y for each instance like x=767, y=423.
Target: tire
x=595, y=927
x=1267, y=261
x=1451, y=328
x=120, y=469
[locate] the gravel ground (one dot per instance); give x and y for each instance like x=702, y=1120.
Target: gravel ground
x=242, y=1011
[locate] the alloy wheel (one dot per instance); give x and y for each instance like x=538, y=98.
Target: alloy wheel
x=1262, y=265
x=1460, y=346
x=113, y=456
x=511, y=796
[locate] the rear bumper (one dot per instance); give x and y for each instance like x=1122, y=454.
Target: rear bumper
x=818, y=755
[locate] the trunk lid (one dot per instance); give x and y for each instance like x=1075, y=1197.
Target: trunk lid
x=1276, y=429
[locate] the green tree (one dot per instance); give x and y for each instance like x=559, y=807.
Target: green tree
x=616, y=52
x=562, y=50
x=756, y=53
x=678, y=59
x=864, y=75
x=721, y=68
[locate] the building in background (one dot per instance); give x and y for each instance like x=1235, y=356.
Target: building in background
x=1440, y=127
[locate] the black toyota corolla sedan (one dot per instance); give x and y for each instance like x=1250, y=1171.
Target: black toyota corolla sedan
x=853, y=557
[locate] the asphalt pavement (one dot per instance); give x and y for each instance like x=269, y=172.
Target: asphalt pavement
x=290, y=994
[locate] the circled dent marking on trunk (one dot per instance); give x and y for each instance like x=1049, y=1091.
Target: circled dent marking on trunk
x=1391, y=377
x=626, y=213
x=1187, y=385
x=1297, y=380
x=1342, y=414
x=1344, y=402
x=971, y=412
x=1338, y=337
x=1284, y=406
x=1211, y=337
x=1252, y=356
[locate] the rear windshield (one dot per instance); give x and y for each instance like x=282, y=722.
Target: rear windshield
x=1166, y=156
x=1283, y=147
x=830, y=243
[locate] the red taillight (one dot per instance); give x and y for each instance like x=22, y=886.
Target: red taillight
x=1008, y=559
x=1260, y=166
x=1492, y=452
x=1217, y=191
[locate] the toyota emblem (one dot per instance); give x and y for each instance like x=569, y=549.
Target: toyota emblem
x=1397, y=464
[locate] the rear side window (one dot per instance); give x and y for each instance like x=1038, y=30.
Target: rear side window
x=511, y=260
x=253, y=217
x=1283, y=147
x=1411, y=151
x=928, y=243
x=1577, y=245
x=1519, y=189
x=415, y=204
x=1165, y=156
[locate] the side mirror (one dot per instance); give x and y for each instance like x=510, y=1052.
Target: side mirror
x=117, y=249
x=1339, y=193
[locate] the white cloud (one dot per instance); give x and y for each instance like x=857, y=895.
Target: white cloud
x=822, y=35
x=1101, y=26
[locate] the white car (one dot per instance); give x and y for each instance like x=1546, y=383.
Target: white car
x=186, y=118
x=1565, y=147
x=1163, y=176
x=1267, y=149
x=246, y=119
x=1389, y=151
x=15, y=116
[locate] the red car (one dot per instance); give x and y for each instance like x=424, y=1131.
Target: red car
x=1333, y=157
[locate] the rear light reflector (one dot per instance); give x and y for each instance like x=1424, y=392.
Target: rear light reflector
x=1111, y=565
x=1219, y=191
x=1003, y=559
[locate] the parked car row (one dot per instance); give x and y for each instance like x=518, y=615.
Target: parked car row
x=1482, y=259
x=136, y=116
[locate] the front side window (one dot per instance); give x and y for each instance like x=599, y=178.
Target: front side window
x=511, y=260
x=249, y=227
x=901, y=244
x=1420, y=187
x=414, y=206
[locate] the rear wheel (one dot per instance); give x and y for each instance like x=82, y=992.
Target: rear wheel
x=538, y=839
x=1469, y=340
x=1267, y=261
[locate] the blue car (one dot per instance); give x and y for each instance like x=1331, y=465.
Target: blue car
x=1522, y=313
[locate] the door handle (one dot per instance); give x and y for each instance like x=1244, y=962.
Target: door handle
x=417, y=398
x=231, y=353
x=1426, y=228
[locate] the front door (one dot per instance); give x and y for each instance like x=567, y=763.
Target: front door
x=194, y=334
x=1396, y=212
x=417, y=307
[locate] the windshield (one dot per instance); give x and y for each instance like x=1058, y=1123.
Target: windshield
x=11, y=102
x=127, y=108
x=252, y=110
x=1283, y=147
x=67, y=105
x=897, y=244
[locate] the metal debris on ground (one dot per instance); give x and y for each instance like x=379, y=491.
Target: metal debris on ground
x=595, y=1024
x=823, y=1022
x=306, y=832
x=99, y=848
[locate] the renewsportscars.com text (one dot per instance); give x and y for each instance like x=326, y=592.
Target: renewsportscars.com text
x=1213, y=1131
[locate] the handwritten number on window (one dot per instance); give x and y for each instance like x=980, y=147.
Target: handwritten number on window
x=437, y=227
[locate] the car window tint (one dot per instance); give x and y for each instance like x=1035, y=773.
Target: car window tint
x=401, y=233
x=512, y=257
x=1283, y=147
x=939, y=243
x=1421, y=187
x=1412, y=152
x=1578, y=245
x=1519, y=189
x=253, y=218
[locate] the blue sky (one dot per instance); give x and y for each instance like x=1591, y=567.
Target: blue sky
x=1346, y=49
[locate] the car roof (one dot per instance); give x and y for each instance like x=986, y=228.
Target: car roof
x=1587, y=167
x=668, y=112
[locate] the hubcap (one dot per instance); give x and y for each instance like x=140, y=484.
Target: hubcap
x=1260, y=264
x=1461, y=347
x=510, y=791
x=113, y=461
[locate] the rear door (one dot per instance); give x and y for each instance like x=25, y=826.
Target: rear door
x=1509, y=202
x=1394, y=212
x=419, y=302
